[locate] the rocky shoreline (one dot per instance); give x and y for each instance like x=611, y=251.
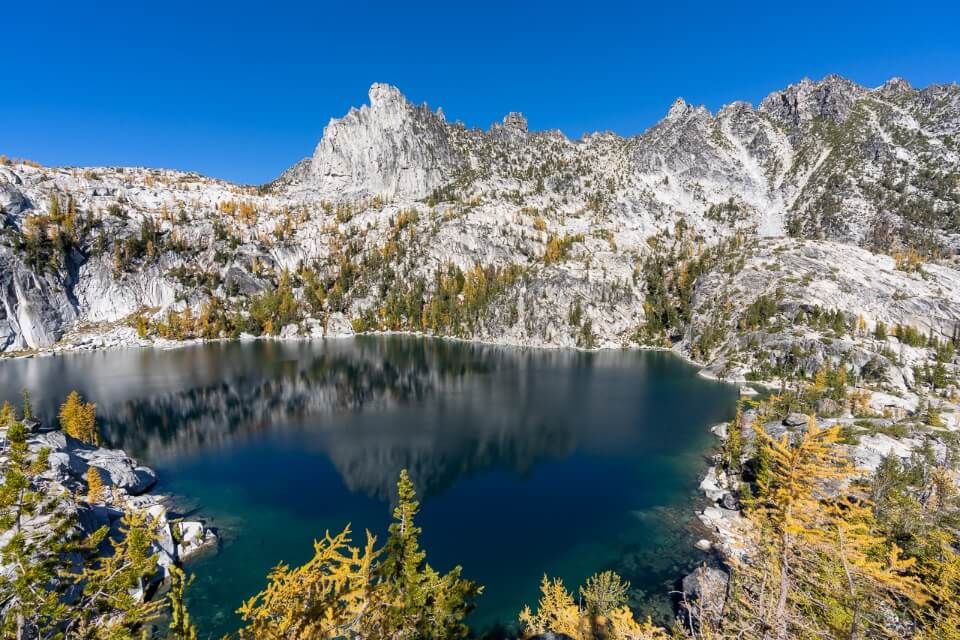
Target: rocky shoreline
x=704, y=591
x=127, y=487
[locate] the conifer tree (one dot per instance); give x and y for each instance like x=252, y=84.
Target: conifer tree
x=345, y=591
x=181, y=627
x=31, y=608
x=94, y=485
x=113, y=602
x=53, y=208
x=417, y=601
x=324, y=598
x=27, y=408
x=78, y=419
x=604, y=592
x=733, y=445
x=605, y=619
x=825, y=568
x=556, y=612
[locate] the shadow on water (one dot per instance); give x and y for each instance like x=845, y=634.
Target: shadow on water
x=529, y=461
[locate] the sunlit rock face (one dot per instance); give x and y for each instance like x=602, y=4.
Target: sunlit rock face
x=390, y=148
x=827, y=161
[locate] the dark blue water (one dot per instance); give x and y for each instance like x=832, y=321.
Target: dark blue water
x=528, y=461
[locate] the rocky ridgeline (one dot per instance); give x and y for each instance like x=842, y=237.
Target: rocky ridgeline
x=126, y=486
x=818, y=178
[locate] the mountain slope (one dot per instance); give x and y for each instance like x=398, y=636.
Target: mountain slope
x=403, y=220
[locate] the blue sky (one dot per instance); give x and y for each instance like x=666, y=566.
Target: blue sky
x=241, y=90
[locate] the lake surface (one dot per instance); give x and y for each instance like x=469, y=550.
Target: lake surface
x=527, y=461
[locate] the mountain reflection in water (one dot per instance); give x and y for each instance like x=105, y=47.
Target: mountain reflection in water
x=529, y=460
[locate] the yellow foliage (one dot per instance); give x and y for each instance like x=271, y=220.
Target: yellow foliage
x=94, y=485
x=558, y=613
x=78, y=419
x=322, y=599
x=860, y=403
x=907, y=260
x=624, y=627
x=821, y=550
x=243, y=211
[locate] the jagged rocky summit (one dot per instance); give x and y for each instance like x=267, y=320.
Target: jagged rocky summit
x=826, y=180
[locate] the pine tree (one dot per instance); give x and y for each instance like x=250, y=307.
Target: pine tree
x=78, y=419
x=27, y=408
x=94, y=485
x=113, y=602
x=31, y=608
x=880, y=330
x=181, y=627
x=417, y=601
x=733, y=445
x=604, y=592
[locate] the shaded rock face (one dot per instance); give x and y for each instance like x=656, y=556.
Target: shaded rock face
x=832, y=98
x=34, y=306
x=389, y=148
x=704, y=593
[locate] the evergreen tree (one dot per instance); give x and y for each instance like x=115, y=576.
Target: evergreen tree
x=417, y=601
x=27, y=408
x=880, y=330
x=181, y=627
x=31, y=607
x=733, y=445
x=604, y=592
x=113, y=602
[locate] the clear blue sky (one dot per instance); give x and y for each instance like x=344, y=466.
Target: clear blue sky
x=242, y=90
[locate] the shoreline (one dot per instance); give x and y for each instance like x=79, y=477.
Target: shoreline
x=58, y=348
x=161, y=503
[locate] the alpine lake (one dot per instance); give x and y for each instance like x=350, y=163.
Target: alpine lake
x=527, y=461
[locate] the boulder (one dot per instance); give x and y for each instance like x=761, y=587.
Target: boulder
x=704, y=592
x=709, y=485
x=70, y=459
x=795, y=420
x=122, y=471
x=828, y=407
x=730, y=502
x=194, y=537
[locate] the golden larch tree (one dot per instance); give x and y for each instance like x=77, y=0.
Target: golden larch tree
x=79, y=419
